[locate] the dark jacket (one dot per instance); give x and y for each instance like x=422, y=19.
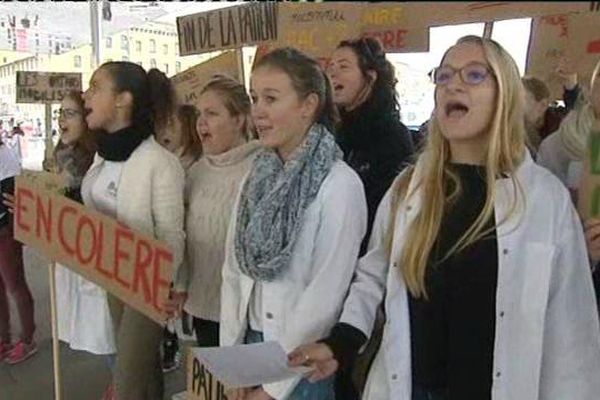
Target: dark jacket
x=377, y=146
x=555, y=114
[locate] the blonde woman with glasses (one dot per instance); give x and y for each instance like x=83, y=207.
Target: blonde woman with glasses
x=479, y=257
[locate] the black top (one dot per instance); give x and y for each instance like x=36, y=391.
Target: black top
x=452, y=333
x=376, y=145
x=6, y=186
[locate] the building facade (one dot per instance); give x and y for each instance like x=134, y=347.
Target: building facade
x=151, y=45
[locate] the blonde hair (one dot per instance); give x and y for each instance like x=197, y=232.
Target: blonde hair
x=506, y=149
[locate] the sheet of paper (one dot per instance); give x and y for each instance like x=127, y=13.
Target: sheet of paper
x=248, y=364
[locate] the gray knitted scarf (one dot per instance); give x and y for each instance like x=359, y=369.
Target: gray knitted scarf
x=273, y=201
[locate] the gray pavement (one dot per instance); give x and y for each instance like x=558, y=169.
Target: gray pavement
x=84, y=376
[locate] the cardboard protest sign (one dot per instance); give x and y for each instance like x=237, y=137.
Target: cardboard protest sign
x=132, y=266
x=386, y=22
x=462, y=12
x=201, y=385
x=575, y=36
x=315, y=28
x=188, y=83
x=45, y=87
x=227, y=28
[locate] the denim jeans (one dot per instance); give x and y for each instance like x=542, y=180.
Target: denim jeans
x=427, y=394
x=322, y=390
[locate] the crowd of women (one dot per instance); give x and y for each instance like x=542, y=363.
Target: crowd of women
x=302, y=213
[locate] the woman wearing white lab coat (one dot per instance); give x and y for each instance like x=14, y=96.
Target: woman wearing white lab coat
x=545, y=329
x=297, y=225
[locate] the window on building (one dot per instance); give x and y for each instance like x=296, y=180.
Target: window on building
x=108, y=42
x=167, y=69
x=124, y=43
x=152, y=46
x=152, y=63
x=165, y=49
x=513, y=35
x=138, y=45
x=177, y=67
x=77, y=61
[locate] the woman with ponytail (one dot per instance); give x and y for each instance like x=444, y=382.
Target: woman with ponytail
x=297, y=223
x=478, y=256
x=138, y=182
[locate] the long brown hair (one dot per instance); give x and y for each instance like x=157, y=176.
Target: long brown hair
x=190, y=141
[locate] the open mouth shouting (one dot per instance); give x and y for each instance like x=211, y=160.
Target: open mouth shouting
x=456, y=110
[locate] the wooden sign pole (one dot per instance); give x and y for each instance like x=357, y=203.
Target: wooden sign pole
x=48, y=139
x=55, y=345
x=49, y=146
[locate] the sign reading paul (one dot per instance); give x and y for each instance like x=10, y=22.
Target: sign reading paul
x=45, y=87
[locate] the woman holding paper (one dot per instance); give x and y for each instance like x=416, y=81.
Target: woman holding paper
x=479, y=257
x=297, y=223
x=225, y=128
x=138, y=182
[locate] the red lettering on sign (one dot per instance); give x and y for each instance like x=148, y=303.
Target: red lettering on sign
x=120, y=255
x=143, y=259
x=100, y=248
x=100, y=253
x=21, y=208
x=158, y=282
x=44, y=218
x=61, y=229
x=83, y=222
x=593, y=47
x=390, y=39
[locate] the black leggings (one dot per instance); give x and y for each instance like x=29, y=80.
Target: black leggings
x=207, y=332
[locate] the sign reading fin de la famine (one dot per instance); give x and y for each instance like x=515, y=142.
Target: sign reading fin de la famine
x=227, y=28
x=45, y=87
x=132, y=266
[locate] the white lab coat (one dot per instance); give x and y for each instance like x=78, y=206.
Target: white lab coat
x=83, y=315
x=303, y=304
x=149, y=199
x=547, y=343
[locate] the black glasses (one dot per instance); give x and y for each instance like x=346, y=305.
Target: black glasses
x=470, y=74
x=68, y=113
